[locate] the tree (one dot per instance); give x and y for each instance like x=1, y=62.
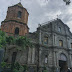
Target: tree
x=10, y=40
x=2, y=39
x=20, y=41
x=23, y=41
x=67, y=2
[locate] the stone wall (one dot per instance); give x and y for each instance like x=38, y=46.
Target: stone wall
x=53, y=49
x=12, y=20
x=10, y=26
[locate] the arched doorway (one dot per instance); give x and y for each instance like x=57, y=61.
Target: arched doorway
x=63, y=62
x=16, y=31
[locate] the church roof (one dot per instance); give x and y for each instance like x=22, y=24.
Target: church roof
x=19, y=4
x=52, y=21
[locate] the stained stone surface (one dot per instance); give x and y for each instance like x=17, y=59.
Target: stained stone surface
x=36, y=56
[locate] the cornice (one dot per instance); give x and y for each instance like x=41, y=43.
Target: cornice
x=15, y=21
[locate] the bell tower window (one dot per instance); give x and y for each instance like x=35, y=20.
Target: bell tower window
x=19, y=14
x=16, y=30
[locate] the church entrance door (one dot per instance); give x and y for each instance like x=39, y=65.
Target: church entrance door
x=63, y=63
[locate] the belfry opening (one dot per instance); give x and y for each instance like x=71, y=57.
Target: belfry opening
x=17, y=31
x=63, y=62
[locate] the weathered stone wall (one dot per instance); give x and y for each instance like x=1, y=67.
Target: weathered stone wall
x=9, y=28
x=12, y=14
x=12, y=20
x=53, y=49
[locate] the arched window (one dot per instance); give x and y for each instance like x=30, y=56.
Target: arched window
x=19, y=14
x=60, y=43
x=59, y=29
x=46, y=59
x=45, y=40
x=63, y=57
x=16, y=30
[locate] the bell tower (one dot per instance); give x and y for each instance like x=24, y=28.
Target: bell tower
x=16, y=21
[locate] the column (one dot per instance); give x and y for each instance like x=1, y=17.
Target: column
x=29, y=55
x=33, y=55
x=71, y=60
x=55, y=59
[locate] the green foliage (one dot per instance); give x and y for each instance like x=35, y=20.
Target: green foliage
x=2, y=39
x=19, y=41
x=2, y=33
x=10, y=40
x=3, y=64
x=45, y=70
x=67, y=2
x=19, y=68
x=23, y=42
x=25, y=67
x=15, y=70
x=17, y=65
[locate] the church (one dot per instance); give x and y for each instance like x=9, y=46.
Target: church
x=52, y=41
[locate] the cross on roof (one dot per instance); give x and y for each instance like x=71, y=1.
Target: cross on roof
x=20, y=0
x=57, y=16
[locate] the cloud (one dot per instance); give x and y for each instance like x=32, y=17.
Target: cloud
x=43, y=2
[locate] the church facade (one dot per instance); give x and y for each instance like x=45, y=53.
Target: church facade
x=52, y=42
x=55, y=45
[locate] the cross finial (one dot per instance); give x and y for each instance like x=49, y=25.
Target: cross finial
x=57, y=16
x=20, y=1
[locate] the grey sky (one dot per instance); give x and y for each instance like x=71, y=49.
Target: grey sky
x=40, y=11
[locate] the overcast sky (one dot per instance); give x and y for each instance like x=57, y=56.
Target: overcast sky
x=41, y=11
